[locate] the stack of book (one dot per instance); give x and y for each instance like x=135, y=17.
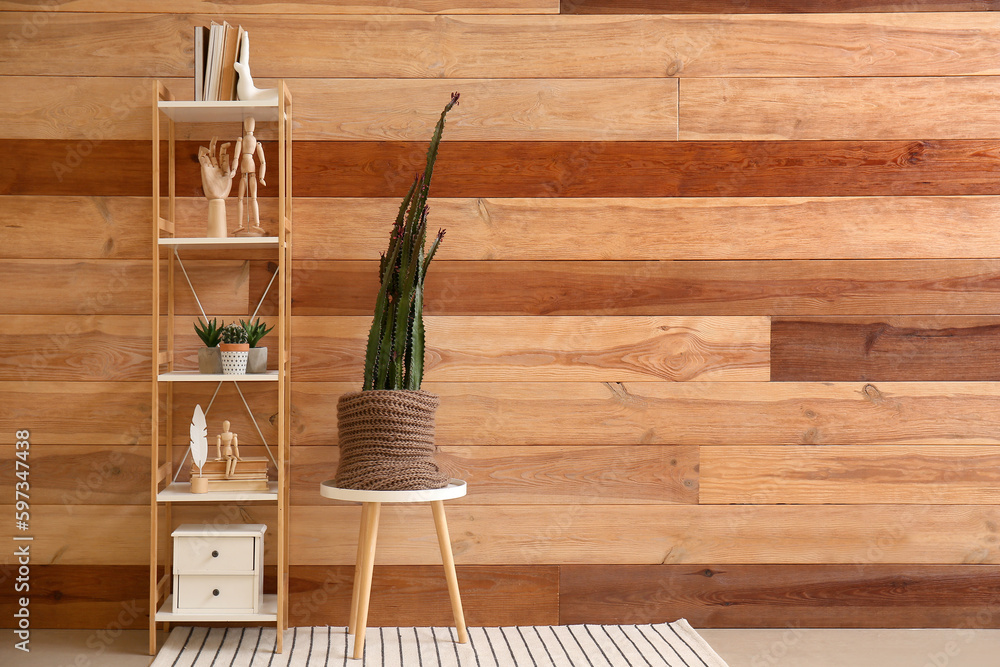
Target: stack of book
x=216, y=50
x=250, y=474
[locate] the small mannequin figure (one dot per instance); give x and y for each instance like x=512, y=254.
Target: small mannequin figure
x=216, y=181
x=248, y=147
x=231, y=453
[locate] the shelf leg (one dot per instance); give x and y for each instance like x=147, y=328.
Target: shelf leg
x=444, y=541
x=367, y=568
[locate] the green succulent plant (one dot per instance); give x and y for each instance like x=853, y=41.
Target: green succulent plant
x=394, y=358
x=209, y=332
x=234, y=334
x=255, y=331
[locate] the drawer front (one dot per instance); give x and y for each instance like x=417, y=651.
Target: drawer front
x=196, y=592
x=213, y=554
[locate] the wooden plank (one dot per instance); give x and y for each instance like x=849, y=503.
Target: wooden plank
x=655, y=534
x=631, y=228
x=538, y=475
x=594, y=287
x=717, y=413
x=410, y=596
x=87, y=535
x=114, y=413
x=75, y=227
x=430, y=47
x=856, y=475
x=764, y=596
x=295, y=6
x=768, y=6
x=839, y=108
x=942, y=348
x=482, y=349
x=77, y=475
x=76, y=348
x=544, y=169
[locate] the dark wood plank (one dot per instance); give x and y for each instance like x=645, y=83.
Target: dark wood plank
x=787, y=287
x=417, y=595
x=546, y=169
x=538, y=475
x=770, y=6
x=773, y=596
x=945, y=348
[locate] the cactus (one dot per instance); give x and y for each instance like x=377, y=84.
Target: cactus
x=234, y=334
x=255, y=331
x=209, y=332
x=394, y=358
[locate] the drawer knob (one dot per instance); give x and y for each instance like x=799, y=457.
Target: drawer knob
x=215, y=592
x=215, y=554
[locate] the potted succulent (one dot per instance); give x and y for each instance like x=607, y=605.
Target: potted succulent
x=209, y=359
x=386, y=431
x=257, y=360
x=234, y=349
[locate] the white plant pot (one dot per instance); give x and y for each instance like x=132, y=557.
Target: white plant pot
x=234, y=362
x=257, y=361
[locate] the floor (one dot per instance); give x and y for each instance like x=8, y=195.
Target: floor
x=740, y=648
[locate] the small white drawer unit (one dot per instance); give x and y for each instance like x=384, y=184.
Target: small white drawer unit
x=218, y=570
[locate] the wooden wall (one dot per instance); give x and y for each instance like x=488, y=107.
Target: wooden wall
x=714, y=323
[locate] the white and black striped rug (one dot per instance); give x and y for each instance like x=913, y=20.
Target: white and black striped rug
x=668, y=644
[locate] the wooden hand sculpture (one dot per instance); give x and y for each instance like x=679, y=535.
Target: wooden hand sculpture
x=216, y=181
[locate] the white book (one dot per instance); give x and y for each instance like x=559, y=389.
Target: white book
x=220, y=45
x=206, y=93
x=200, y=36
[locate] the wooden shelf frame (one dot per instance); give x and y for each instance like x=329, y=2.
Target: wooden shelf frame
x=163, y=490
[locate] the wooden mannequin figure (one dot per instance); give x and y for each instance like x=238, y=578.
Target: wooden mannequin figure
x=248, y=147
x=231, y=453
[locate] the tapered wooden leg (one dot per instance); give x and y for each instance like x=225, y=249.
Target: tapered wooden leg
x=356, y=590
x=444, y=540
x=366, y=579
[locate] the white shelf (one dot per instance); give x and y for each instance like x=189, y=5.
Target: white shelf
x=268, y=613
x=180, y=492
x=221, y=244
x=188, y=111
x=195, y=376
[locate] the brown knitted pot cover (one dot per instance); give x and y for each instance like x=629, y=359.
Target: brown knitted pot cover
x=387, y=441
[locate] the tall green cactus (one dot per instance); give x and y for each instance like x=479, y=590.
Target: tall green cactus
x=395, y=355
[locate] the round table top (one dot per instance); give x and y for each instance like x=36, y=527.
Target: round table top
x=456, y=489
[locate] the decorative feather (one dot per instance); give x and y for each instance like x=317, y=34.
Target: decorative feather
x=199, y=438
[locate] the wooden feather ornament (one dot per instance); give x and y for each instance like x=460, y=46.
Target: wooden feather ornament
x=199, y=438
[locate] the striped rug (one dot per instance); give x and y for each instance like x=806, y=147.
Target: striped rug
x=668, y=644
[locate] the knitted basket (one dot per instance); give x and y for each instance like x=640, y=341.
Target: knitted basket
x=387, y=441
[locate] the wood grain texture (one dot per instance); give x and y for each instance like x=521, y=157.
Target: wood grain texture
x=655, y=534
x=839, y=108
x=768, y=6
x=700, y=228
x=856, y=475
x=913, y=44
x=595, y=287
x=863, y=595
x=526, y=349
x=75, y=348
x=697, y=413
x=943, y=348
x=529, y=169
x=261, y=397
x=296, y=6
x=115, y=413
x=74, y=475
x=418, y=596
x=538, y=475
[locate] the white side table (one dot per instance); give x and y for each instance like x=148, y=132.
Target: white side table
x=364, y=565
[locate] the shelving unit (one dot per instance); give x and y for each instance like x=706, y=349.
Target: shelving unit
x=165, y=490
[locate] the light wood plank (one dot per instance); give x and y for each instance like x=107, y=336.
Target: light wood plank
x=633, y=228
x=75, y=475
x=728, y=287
x=839, y=108
x=771, y=7
x=77, y=348
x=482, y=349
x=856, y=475
x=668, y=534
x=295, y=6
x=716, y=413
x=538, y=475
x=519, y=46
x=82, y=413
